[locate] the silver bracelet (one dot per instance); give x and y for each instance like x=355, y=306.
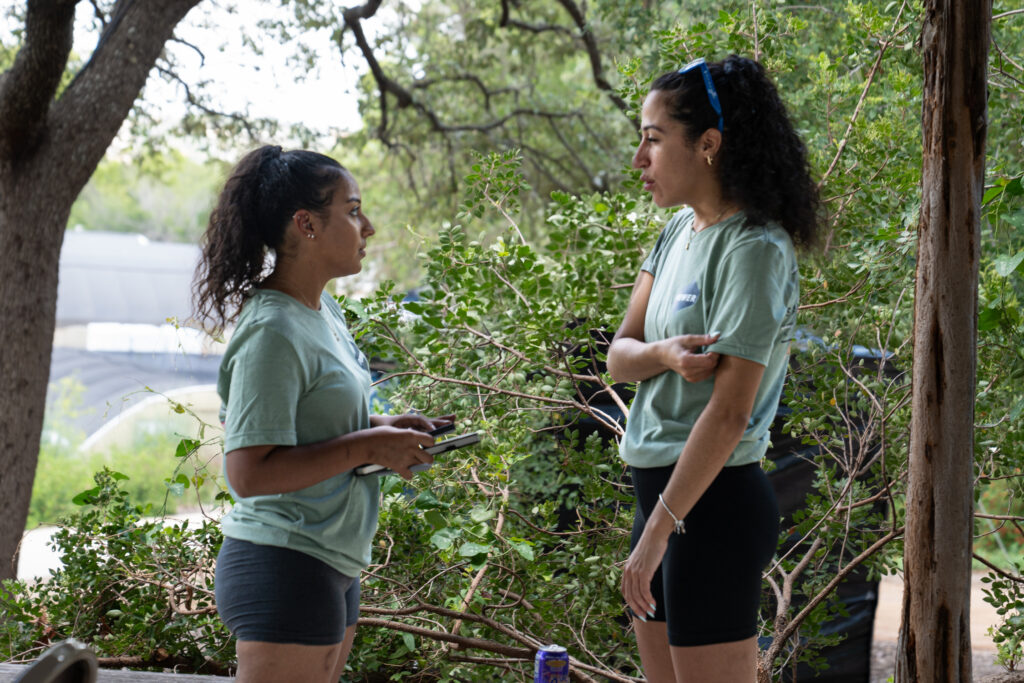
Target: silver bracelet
x=680, y=525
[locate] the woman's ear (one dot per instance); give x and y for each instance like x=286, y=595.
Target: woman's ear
x=710, y=142
x=303, y=222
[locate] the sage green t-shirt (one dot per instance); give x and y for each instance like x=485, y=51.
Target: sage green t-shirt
x=294, y=376
x=738, y=280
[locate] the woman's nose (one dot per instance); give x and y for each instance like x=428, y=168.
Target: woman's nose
x=640, y=157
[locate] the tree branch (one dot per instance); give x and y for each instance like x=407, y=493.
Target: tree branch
x=864, y=92
x=1003, y=15
x=404, y=98
x=90, y=112
x=194, y=101
x=507, y=21
x=594, y=54
x=29, y=86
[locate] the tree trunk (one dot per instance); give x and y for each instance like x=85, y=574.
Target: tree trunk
x=48, y=150
x=934, y=642
x=31, y=233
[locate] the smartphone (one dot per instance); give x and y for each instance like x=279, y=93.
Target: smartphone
x=443, y=429
x=451, y=444
x=455, y=442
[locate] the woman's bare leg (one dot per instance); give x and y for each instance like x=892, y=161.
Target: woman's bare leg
x=346, y=648
x=734, y=662
x=261, y=662
x=652, y=641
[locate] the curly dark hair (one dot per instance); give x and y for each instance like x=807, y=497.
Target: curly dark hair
x=261, y=195
x=762, y=164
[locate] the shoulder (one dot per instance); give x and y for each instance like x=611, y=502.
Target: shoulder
x=668, y=237
x=331, y=306
x=677, y=224
x=742, y=239
x=266, y=321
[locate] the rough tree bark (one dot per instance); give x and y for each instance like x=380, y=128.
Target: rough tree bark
x=935, y=641
x=50, y=145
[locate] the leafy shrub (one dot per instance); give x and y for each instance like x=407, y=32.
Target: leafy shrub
x=139, y=591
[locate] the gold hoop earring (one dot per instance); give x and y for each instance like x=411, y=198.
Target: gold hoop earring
x=708, y=159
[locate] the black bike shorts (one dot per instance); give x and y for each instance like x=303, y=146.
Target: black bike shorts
x=276, y=595
x=708, y=588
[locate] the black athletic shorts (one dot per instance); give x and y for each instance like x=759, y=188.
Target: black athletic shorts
x=277, y=595
x=708, y=588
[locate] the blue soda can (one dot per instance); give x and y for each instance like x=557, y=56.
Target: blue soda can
x=551, y=665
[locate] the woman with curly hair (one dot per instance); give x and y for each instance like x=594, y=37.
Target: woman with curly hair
x=295, y=393
x=706, y=337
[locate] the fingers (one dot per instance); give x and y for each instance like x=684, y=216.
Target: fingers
x=422, y=439
x=695, y=341
x=636, y=590
x=638, y=571
x=689, y=362
x=421, y=423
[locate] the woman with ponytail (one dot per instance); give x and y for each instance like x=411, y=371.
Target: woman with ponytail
x=706, y=337
x=295, y=405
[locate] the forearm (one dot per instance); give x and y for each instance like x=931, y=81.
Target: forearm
x=714, y=437
x=632, y=360
x=284, y=469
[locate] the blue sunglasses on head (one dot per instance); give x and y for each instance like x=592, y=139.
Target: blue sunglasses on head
x=709, y=86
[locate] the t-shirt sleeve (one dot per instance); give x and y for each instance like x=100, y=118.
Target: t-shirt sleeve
x=265, y=387
x=650, y=263
x=751, y=301
x=657, y=255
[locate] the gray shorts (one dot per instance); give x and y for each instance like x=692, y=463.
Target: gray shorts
x=277, y=595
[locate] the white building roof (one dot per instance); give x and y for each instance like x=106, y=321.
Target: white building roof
x=123, y=278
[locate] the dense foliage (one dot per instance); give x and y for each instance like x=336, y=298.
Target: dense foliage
x=516, y=542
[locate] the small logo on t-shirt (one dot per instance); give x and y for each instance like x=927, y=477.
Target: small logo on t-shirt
x=686, y=297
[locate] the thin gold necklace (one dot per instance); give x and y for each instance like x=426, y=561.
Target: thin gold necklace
x=713, y=221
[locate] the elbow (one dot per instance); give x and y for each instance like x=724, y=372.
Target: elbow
x=731, y=420
x=615, y=370
x=242, y=470
x=241, y=485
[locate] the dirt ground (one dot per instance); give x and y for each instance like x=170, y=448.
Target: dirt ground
x=887, y=628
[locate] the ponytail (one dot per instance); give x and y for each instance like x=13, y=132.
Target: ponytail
x=261, y=195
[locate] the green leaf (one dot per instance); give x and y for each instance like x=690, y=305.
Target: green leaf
x=471, y=549
x=435, y=519
x=524, y=548
x=86, y=497
x=426, y=500
x=1016, y=411
x=991, y=193
x=410, y=642
x=186, y=447
x=989, y=318
x=1005, y=265
x=481, y=514
x=444, y=538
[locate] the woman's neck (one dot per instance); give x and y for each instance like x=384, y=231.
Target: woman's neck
x=303, y=289
x=708, y=213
